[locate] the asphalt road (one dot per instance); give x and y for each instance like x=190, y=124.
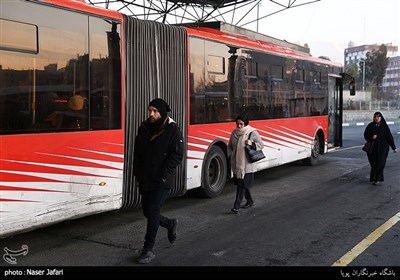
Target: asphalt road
x=304, y=220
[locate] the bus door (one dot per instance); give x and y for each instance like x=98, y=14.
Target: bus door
x=334, y=111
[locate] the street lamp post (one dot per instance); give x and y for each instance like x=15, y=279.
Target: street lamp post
x=363, y=85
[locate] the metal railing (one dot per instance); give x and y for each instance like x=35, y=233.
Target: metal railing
x=378, y=105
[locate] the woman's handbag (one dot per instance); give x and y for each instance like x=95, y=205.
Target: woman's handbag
x=254, y=155
x=368, y=147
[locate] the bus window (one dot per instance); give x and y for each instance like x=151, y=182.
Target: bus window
x=18, y=36
x=197, y=70
x=42, y=71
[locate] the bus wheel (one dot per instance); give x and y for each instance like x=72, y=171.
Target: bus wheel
x=214, y=172
x=315, y=152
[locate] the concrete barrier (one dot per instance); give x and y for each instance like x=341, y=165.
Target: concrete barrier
x=362, y=118
x=354, y=115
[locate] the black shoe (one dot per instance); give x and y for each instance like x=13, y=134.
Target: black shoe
x=173, y=233
x=146, y=256
x=248, y=205
x=234, y=210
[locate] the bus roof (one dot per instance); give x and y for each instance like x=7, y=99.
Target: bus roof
x=81, y=5
x=261, y=42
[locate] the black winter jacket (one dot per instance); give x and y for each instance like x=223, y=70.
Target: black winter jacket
x=155, y=160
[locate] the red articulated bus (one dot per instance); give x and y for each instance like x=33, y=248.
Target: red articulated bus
x=75, y=81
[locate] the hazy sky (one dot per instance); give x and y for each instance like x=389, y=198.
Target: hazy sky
x=328, y=26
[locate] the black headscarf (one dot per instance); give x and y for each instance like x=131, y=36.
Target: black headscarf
x=243, y=118
x=383, y=121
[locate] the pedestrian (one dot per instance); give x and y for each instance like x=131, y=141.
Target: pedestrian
x=158, y=152
x=243, y=170
x=378, y=132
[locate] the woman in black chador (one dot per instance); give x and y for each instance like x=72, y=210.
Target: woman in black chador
x=379, y=133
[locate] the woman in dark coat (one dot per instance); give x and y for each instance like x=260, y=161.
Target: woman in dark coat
x=379, y=133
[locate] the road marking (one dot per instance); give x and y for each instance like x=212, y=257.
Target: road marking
x=363, y=123
x=368, y=241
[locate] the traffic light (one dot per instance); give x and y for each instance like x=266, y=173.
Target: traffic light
x=352, y=87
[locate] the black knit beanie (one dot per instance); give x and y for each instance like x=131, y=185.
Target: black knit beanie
x=161, y=106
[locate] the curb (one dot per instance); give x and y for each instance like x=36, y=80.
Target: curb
x=364, y=123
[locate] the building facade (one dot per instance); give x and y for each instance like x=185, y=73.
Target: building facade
x=353, y=54
x=391, y=82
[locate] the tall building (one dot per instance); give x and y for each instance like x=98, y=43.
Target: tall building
x=391, y=81
x=353, y=54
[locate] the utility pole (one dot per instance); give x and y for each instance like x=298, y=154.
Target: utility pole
x=258, y=13
x=363, y=85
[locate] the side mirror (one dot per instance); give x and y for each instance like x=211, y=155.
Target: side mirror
x=352, y=87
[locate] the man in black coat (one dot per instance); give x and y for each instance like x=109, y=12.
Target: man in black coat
x=158, y=151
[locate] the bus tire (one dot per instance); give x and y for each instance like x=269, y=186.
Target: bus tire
x=315, y=152
x=214, y=172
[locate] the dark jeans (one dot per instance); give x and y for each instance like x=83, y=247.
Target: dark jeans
x=152, y=202
x=243, y=189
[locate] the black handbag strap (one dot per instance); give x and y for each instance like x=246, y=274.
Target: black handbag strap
x=254, y=144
